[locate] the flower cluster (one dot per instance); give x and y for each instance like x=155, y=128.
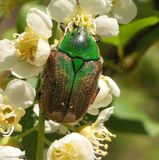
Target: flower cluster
x=100, y=16
x=88, y=144
x=25, y=56
x=17, y=96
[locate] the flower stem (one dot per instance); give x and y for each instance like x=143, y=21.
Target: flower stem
x=71, y=128
x=27, y=132
x=55, y=24
x=41, y=125
x=47, y=141
x=40, y=141
x=120, y=53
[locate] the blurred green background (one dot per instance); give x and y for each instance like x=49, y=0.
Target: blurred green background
x=132, y=60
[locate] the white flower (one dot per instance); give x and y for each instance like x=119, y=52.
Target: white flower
x=98, y=134
x=123, y=10
x=11, y=153
x=84, y=14
x=73, y=146
x=104, y=26
x=51, y=126
x=107, y=89
x=27, y=54
x=94, y=14
x=17, y=96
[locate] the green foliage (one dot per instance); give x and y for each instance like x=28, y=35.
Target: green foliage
x=128, y=31
x=129, y=107
x=139, y=94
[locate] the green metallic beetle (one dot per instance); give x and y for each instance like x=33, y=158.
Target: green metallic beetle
x=70, y=77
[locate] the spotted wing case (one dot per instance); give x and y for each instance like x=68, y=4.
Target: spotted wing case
x=70, y=78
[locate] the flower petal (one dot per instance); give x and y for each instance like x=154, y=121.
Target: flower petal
x=83, y=147
x=39, y=22
x=6, y=49
x=42, y=53
x=62, y=10
x=106, y=27
x=12, y=153
x=36, y=109
x=20, y=93
x=104, y=115
x=7, y=54
x=115, y=91
x=124, y=11
x=62, y=129
x=107, y=88
x=103, y=97
x=93, y=110
x=25, y=70
x=51, y=126
x=108, y=6
x=95, y=7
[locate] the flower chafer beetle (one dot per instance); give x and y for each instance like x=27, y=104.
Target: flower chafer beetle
x=70, y=77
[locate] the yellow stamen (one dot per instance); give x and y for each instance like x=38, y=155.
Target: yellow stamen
x=82, y=20
x=65, y=152
x=27, y=45
x=85, y=21
x=99, y=136
x=9, y=119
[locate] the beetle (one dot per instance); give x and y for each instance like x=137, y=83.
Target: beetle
x=70, y=77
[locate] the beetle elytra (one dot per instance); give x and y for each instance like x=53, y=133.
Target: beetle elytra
x=70, y=77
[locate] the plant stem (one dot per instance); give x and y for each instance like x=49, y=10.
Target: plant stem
x=41, y=125
x=40, y=141
x=27, y=132
x=120, y=53
x=55, y=24
x=47, y=141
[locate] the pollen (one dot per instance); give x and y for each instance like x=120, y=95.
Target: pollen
x=65, y=152
x=87, y=21
x=27, y=45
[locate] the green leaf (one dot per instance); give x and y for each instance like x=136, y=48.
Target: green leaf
x=129, y=107
x=129, y=30
x=146, y=12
